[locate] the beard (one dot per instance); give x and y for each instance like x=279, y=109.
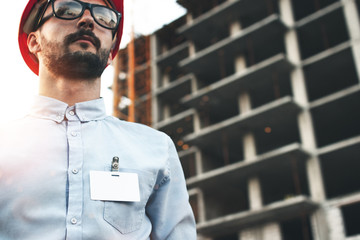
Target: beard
x=61, y=62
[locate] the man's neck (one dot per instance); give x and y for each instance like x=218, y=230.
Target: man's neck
x=70, y=91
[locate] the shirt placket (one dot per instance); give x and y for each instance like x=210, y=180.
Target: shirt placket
x=75, y=187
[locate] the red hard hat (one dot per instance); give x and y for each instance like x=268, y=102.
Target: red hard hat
x=27, y=21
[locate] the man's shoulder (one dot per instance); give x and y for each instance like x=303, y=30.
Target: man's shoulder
x=136, y=134
x=10, y=130
x=12, y=124
x=136, y=128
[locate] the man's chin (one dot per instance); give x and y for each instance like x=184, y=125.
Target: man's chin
x=83, y=55
x=83, y=64
x=83, y=47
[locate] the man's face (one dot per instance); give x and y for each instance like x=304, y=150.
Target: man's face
x=76, y=49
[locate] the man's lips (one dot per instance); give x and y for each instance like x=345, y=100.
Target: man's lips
x=83, y=37
x=87, y=39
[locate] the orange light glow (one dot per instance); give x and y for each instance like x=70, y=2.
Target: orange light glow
x=268, y=129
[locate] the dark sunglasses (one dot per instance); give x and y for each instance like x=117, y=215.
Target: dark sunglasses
x=71, y=9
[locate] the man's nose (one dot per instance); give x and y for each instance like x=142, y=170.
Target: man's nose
x=86, y=20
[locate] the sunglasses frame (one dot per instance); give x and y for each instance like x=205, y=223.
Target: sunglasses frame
x=85, y=6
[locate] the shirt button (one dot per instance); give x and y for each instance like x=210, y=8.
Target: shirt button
x=72, y=113
x=73, y=221
x=59, y=117
x=74, y=134
x=75, y=171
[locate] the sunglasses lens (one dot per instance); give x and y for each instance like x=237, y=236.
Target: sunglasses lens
x=105, y=17
x=67, y=9
x=70, y=9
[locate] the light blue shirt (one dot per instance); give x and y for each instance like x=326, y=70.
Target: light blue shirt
x=45, y=159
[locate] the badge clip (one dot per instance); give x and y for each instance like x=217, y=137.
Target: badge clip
x=115, y=164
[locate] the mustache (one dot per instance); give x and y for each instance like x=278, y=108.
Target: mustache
x=79, y=34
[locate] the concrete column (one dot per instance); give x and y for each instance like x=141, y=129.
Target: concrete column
x=165, y=79
x=240, y=64
x=336, y=225
x=318, y=224
x=164, y=49
x=271, y=231
x=250, y=147
x=307, y=132
x=353, y=26
x=255, y=193
x=197, y=192
x=305, y=122
x=235, y=28
x=254, y=186
x=194, y=84
x=240, y=61
x=155, y=79
x=166, y=111
x=192, y=49
x=299, y=85
x=300, y=96
x=293, y=54
x=200, y=237
x=189, y=18
x=286, y=12
x=197, y=122
x=315, y=179
x=250, y=234
x=244, y=103
x=313, y=167
x=198, y=162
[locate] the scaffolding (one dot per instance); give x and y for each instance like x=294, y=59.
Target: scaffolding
x=132, y=82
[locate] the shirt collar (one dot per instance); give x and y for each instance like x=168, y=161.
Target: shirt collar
x=50, y=108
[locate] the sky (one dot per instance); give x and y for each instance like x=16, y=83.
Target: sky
x=18, y=84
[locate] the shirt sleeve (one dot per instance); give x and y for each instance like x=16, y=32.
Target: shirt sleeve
x=168, y=207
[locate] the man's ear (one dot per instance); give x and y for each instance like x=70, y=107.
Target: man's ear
x=33, y=43
x=112, y=48
x=109, y=61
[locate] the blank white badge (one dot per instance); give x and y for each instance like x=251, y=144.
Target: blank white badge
x=114, y=186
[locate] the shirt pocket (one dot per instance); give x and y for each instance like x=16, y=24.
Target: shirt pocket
x=127, y=217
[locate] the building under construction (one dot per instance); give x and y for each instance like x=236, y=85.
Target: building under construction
x=262, y=99
x=132, y=82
